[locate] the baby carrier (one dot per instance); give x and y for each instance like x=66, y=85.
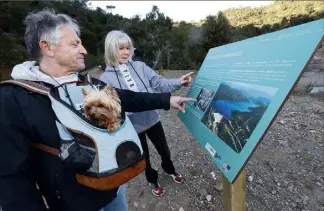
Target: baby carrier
x=102, y=159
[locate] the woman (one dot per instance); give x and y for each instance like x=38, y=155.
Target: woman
x=123, y=73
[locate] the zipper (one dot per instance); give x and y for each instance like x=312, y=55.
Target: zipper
x=57, y=191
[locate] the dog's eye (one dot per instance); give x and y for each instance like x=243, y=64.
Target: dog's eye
x=100, y=105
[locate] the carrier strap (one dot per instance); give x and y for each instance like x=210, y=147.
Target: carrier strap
x=46, y=148
x=40, y=89
x=29, y=85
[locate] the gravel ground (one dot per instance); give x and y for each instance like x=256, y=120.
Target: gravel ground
x=286, y=172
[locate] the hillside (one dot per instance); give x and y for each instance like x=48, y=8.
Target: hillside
x=275, y=13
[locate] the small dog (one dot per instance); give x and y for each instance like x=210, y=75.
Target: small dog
x=103, y=107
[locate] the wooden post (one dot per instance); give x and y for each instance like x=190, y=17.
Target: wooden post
x=234, y=194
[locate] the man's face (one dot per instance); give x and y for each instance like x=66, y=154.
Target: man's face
x=69, y=53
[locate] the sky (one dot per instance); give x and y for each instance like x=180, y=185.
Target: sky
x=176, y=10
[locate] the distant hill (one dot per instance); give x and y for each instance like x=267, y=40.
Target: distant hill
x=249, y=22
x=275, y=13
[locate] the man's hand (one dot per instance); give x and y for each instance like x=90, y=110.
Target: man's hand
x=186, y=79
x=179, y=103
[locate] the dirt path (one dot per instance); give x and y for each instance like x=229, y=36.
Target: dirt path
x=285, y=173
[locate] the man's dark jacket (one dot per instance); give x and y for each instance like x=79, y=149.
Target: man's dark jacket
x=27, y=117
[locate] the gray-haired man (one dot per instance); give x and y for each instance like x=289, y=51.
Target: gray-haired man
x=25, y=118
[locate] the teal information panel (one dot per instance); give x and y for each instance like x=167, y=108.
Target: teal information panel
x=240, y=88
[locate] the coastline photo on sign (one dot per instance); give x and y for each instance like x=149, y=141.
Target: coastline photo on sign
x=203, y=99
x=235, y=111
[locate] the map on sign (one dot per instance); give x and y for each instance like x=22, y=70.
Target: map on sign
x=240, y=87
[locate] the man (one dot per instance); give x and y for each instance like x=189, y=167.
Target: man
x=26, y=117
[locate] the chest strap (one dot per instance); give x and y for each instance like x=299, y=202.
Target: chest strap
x=46, y=148
x=29, y=85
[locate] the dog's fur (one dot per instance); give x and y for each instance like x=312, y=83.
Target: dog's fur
x=103, y=107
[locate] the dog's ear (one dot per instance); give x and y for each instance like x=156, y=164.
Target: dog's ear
x=111, y=91
x=84, y=92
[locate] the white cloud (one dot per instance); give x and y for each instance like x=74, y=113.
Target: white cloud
x=176, y=10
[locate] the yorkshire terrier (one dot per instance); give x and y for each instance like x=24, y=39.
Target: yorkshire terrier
x=103, y=107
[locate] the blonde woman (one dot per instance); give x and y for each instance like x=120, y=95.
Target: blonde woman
x=123, y=73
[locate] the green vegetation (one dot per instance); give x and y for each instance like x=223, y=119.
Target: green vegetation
x=178, y=45
x=249, y=22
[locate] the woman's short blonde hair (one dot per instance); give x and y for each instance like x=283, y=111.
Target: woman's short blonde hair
x=114, y=40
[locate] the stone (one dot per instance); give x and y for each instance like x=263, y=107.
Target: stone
x=283, y=143
x=250, y=178
x=181, y=209
x=209, y=198
x=203, y=192
x=305, y=200
x=290, y=188
x=213, y=175
x=135, y=204
x=219, y=187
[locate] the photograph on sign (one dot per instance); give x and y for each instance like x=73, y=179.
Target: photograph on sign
x=235, y=111
x=203, y=99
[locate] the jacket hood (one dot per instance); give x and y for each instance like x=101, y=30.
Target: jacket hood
x=30, y=71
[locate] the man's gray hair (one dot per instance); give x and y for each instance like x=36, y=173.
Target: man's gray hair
x=45, y=25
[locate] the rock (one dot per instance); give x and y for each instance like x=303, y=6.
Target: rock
x=292, y=113
x=209, y=198
x=281, y=122
x=250, y=179
x=318, y=184
x=274, y=192
x=203, y=192
x=181, y=209
x=290, y=188
x=135, y=204
x=213, y=175
x=305, y=200
x=296, y=127
x=300, y=205
x=283, y=143
x=278, y=184
x=219, y=187
x=141, y=193
x=260, y=181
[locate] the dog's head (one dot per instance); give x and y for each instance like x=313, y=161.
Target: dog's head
x=102, y=106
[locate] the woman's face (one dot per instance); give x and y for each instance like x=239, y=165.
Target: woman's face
x=123, y=54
